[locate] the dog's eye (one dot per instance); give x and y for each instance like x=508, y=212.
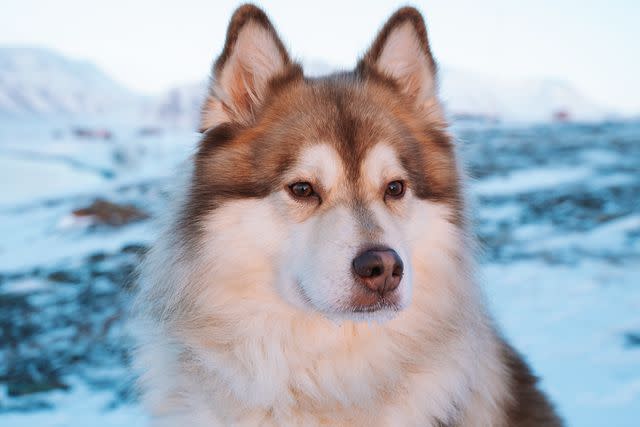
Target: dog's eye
x=395, y=189
x=301, y=190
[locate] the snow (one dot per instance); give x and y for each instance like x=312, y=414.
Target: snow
x=530, y=180
x=25, y=286
x=511, y=99
x=51, y=178
x=464, y=93
x=556, y=212
x=40, y=81
x=81, y=407
x=569, y=321
x=44, y=179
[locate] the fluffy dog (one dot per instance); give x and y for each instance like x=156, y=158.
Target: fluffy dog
x=318, y=267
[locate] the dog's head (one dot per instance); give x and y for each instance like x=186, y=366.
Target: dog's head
x=333, y=193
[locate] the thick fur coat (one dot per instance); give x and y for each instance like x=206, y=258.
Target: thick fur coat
x=249, y=312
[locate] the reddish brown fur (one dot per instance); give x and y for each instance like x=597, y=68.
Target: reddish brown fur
x=244, y=15
x=529, y=407
x=352, y=111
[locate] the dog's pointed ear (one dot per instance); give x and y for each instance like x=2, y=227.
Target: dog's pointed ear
x=401, y=53
x=252, y=57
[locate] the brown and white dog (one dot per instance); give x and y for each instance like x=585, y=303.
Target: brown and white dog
x=318, y=269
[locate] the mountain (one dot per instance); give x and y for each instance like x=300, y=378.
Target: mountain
x=38, y=81
x=42, y=82
x=466, y=93
x=179, y=106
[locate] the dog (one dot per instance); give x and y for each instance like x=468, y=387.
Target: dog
x=318, y=267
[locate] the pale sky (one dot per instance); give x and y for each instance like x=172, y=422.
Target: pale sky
x=151, y=44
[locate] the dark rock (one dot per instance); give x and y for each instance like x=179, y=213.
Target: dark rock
x=134, y=248
x=113, y=214
x=632, y=339
x=15, y=389
x=97, y=257
x=62, y=276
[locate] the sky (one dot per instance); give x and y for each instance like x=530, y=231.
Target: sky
x=150, y=45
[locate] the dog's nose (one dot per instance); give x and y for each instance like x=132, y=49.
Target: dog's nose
x=379, y=269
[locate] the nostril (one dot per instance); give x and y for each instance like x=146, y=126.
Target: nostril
x=369, y=264
x=398, y=266
x=397, y=271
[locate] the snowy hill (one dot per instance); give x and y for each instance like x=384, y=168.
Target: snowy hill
x=42, y=82
x=474, y=94
x=465, y=95
x=179, y=106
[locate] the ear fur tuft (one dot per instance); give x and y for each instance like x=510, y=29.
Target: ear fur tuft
x=252, y=57
x=401, y=52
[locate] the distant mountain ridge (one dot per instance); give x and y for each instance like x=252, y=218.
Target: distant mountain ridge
x=464, y=94
x=470, y=93
x=178, y=106
x=40, y=81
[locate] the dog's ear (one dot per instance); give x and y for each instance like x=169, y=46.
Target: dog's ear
x=252, y=57
x=401, y=53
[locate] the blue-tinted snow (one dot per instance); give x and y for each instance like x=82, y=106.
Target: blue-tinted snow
x=557, y=213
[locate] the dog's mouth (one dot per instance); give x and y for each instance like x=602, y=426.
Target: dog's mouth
x=364, y=301
x=360, y=303
x=382, y=305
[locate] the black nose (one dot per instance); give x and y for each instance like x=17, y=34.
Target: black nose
x=380, y=270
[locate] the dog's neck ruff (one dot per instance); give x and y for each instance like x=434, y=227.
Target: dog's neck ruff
x=265, y=362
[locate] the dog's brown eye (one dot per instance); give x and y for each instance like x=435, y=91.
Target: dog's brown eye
x=301, y=189
x=395, y=189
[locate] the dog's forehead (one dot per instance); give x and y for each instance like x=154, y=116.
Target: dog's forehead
x=338, y=109
x=323, y=161
x=320, y=161
x=342, y=115
x=381, y=160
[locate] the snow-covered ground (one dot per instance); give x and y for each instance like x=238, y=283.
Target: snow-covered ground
x=558, y=214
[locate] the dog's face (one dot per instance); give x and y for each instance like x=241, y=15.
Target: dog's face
x=332, y=190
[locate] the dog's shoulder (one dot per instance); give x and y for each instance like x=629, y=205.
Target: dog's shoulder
x=528, y=406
